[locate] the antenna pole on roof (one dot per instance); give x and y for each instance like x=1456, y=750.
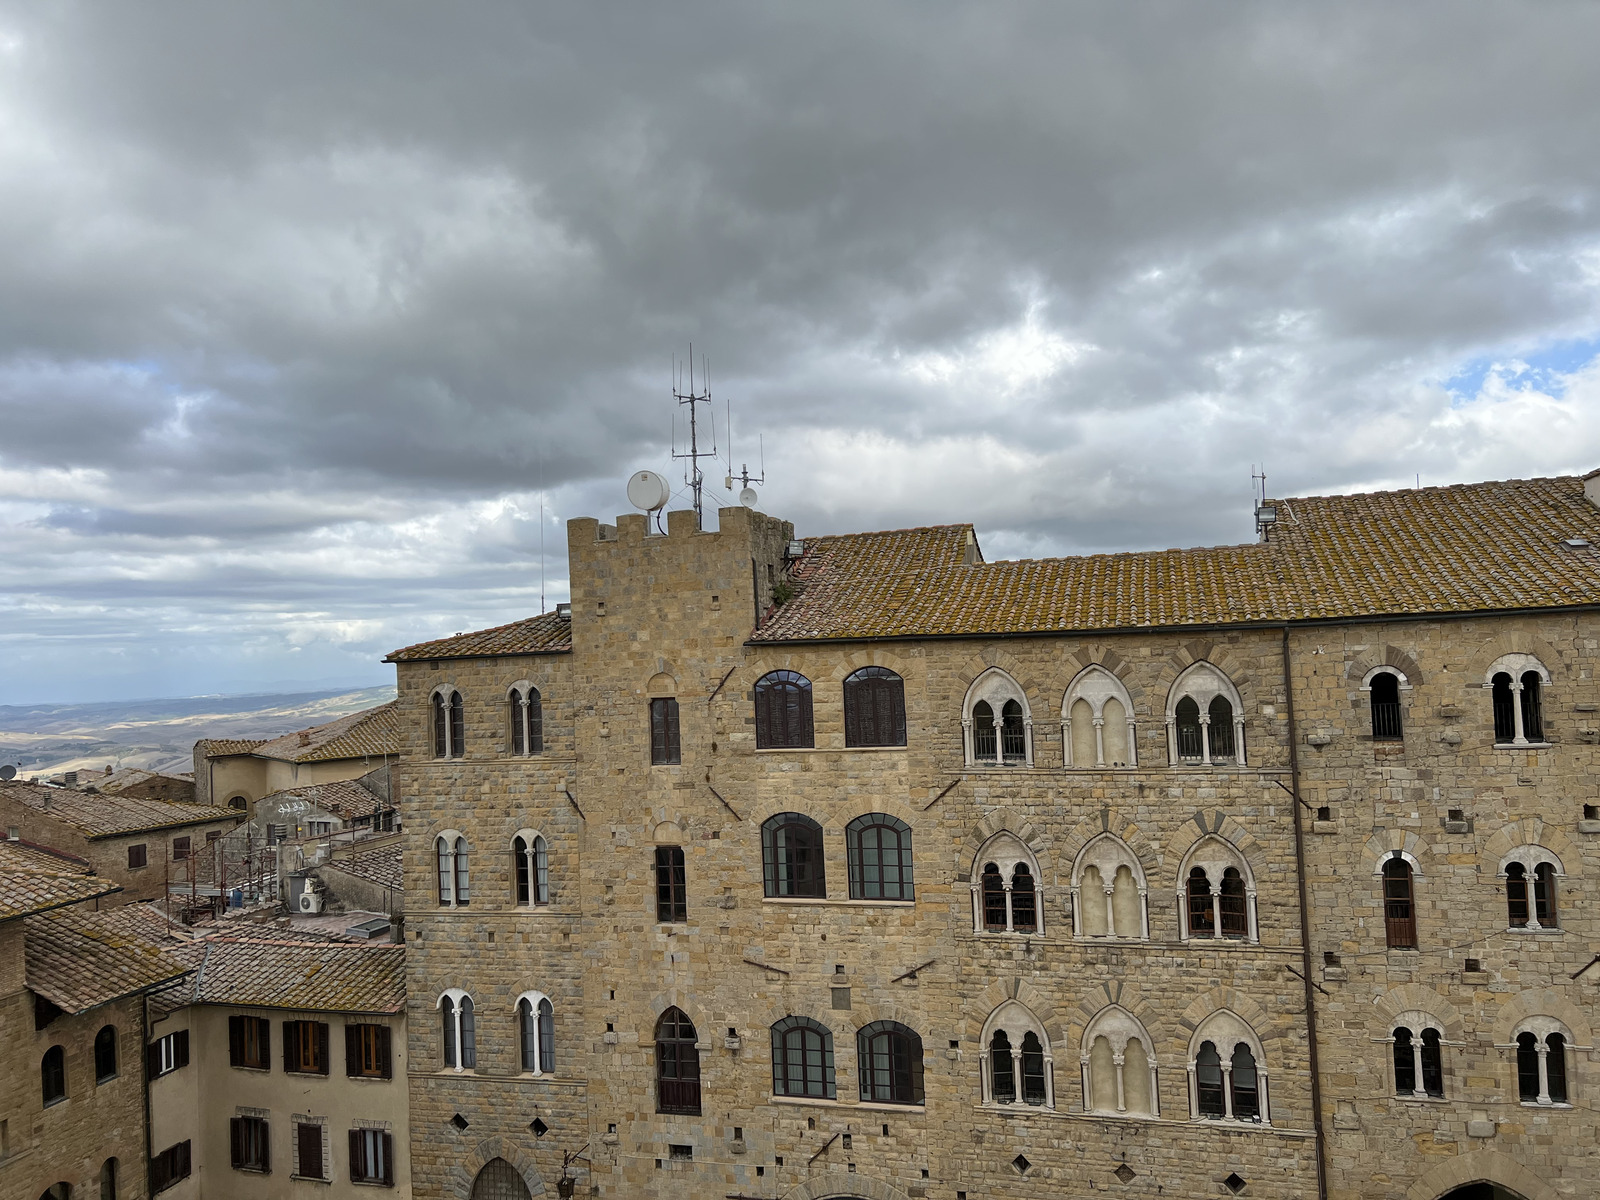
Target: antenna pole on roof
x=692, y=399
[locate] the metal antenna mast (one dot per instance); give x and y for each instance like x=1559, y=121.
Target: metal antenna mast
x=694, y=476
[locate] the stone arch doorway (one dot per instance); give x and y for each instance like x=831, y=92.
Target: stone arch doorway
x=499, y=1180
x=1481, y=1191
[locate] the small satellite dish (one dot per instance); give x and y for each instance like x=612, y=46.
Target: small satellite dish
x=648, y=491
x=748, y=497
x=8, y=773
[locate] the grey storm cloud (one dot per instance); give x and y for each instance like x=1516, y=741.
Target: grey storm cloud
x=309, y=311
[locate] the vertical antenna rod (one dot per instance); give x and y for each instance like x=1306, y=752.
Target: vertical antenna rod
x=695, y=477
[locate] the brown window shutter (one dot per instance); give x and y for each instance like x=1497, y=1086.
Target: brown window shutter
x=311, y=1151
x=322, y=1047
x=180, y=1049
x=358, y=1169
x=236, y=1138
x=288, y=1045
x=266, y=1147
x=236, y=1041
x=388, y=1159
x=383, y=1052
x=152, y=1059
x=352, y=1050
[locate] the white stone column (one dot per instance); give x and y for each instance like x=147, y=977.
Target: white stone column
x=1172, y=741
x=978, y=925
x=1066, y=742
x=1544, y=1070
x=1144, y=912
x=1118, y=1058
x=1238, y=739
x=1111, y=908
x=1266, y=1107
x=966, y=740
x=1083, y=1080
x=1027, y=740
x=986, y=1083
x=1521, y=738
x=1077, y=913
x=1250, y=911
x=1009, y=927
x=1099, y=741
x=1227, y=1089
x=1133, y=744
x=1205, y=739
x=1417, y=1087
x=1049, y=1080
x=1155, y=1087
x=1016, y=1075
x=1194, y=1093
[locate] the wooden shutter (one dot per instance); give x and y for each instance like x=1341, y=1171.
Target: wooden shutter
x=358, y=1169
x=383, y=1052
x=388, y=1159
x=152, y=1059
x=180, y=1049
x=236, y=1133
x=322, y=1047
x=236, y=1041
x=288, y=1045
x=311, y=1151
x=352, y=1050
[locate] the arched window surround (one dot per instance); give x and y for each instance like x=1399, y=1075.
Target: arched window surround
x=1541, y=1028
x=1530, y=858
x=1106, y=852
x=1203, y=682
x=795, y=1072
x=1394, y=928
x=446, y=722
x=874, y=707
x=1095, y=685
x=1119, y=1027
x=1518, y=667
x=1007, y=852
x=452, y=858
x=530, y=874
x=882, y=1076
x=995, y=687
x=882, y=863
x=1016, y=1021
x=105, y=1054
x=1225, y=1030
x=53, y=1075
x=1215, y=855
x=677, y=1065
x=544, y=1037
x=525, y=713
x=1419, y=1024
x=793, y=858
x=783, y=709
x=460, y=1049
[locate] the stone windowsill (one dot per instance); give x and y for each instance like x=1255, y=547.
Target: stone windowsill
x=829, y=749
x=828, y=900
x=871, y=1105
x=1524, y=746
x=1542, y=931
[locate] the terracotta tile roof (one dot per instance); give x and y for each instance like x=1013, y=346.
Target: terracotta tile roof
x=80, y=960
x=132, y=781
x=344, y=798
x=222, y=747
x=546, y=634
x=98, y=816
x=370, y=733
x=33, y=880
x=380, y=865
x=1460, y=549
x=291, y=973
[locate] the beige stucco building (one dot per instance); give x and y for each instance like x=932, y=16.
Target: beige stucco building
x=236, y=772
x=861, y=867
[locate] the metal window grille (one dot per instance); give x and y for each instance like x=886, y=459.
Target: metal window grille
x=1399, y=912
x=994, y=899
x=1024, y=909
x=1002, y=1073
x=672, y=889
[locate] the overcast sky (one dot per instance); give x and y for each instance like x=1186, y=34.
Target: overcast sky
x=305, y=308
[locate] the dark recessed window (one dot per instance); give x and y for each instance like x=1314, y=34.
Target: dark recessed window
x=665, y=748
x=783, y=711
x=791, y=853
x=874, y=708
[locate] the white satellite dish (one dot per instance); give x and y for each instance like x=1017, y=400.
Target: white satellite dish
x=648, y=491
x=748, y=497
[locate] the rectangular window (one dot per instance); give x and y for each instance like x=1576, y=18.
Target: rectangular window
x=249, y=1043
x=214, y=836
x=168, y=1167
x=672, y=899
x=321, y=828
x=366, y=1051
x=372, y=1156
x=664, y=747
x=180, y=849
x=168, y=1054
x=248, y=1137
x=305, y=1047
x=138, y=856
x=308, y=1150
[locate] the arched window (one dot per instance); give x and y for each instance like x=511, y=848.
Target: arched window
x=536, y=1024
x=1532, y=709
x=890, y=1063
x=1227, y=1080
x=1024, y=911
x=1542, y=1063
x=1246, y=1086
x=105, y=1054
x=996, y=724
x=1208, y=1082
x=460, y=1036
x=1399, y=907
x=449, y=724
x=1205, y=721
x=108, y=1179
x=996, y=918
x=53, y=1075
x=1218, y=899
x=1005, y=887
x=1385, y=701
x=1505, y=709
x=1002, y=1070
x=1108, y=891
x=1407, y=1051
x=791, y=856
x=783, y=711
x=450, y=849
x=677, y=1065
x=1418, y=1063
x=802, y=1059
x=531, y=862
x=1119, y=1072
x=878, y=847
x=1014, y=1058
x=1097, y=721
x=874, y=708
x=1516, y=684
x=526, y=713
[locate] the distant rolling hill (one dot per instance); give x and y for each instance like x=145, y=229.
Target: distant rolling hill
x=42, y=739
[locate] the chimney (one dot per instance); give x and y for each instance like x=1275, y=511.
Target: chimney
x=305, y=737
x=1591, y=488
x=70, y=779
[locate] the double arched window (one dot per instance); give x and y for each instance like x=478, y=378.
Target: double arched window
x=1015, y=1061
x=1108, y=891
x=536, y=1027
x=802, y=1059
x=1205, y=718
x=1531, y=873
x=1118, y=1066
x=1227, y=1081
x=996, y=723
x=1418, y=1061
x=1516, y=686
x=105, y=1054
x=459, y=1030
x=1005, y=888
x=791, y=857
x=525, y=709
x=1218, y=893
x=783, y=711
x=1399, y=903
x=1542, y=1062
x=531, y=868
x=878, y=847
x=889, y=1060
x=677, y=1064
x=452, y=854
x=53, y=1075
x=874, y=708
x=1097, y=721
x=449, y=723
x=1383, y=687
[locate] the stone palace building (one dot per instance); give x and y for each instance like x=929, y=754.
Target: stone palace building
x=859, y=866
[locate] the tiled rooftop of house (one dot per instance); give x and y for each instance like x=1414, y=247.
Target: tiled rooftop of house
x=545, y=634
x=132, y=781
x=379, y=865
x=79, y=960
x=325, y=976
x=34, y=880
x=97, y=815
x=222, y=747
x=344, y=798
x=370, y=733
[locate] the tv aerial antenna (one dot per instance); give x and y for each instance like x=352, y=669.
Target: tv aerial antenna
x=692, y=400
x=747, y=494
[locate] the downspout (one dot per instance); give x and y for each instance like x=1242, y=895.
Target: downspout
x=144, y=1071
x=1305, y=927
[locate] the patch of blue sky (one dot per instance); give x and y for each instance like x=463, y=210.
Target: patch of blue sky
x=1544, y=369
